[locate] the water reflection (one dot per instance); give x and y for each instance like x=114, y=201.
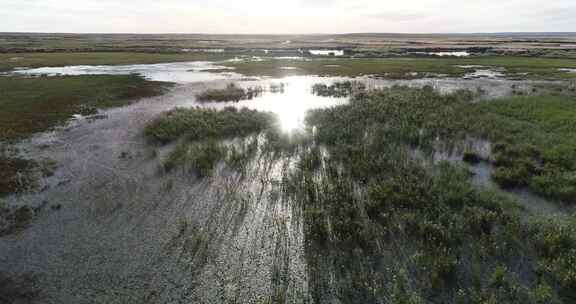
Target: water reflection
x=327, y=52
x=289, y=98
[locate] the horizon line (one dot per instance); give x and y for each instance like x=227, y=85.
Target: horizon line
x=294, y=34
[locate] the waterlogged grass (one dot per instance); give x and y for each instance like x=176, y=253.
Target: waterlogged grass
x=537, y=68
x=199, y=152
x=411, y=116
x=410, y=232
x=201, y=158
x=536, y=139
x=232, y=92
x=31, y=105
x=535, y=136
x=16, y=175
x=19, y=175
x=443, y=236
x=14, y=219
x=203, y=123
x=338, y=89
x=383, y=226
x=36, y=104
x=9, y=61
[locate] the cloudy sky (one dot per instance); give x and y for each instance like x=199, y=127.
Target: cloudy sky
x=295, y=16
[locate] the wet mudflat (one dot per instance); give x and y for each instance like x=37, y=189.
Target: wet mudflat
x=112, y=227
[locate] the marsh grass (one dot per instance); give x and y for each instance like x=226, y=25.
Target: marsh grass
x=14, y=218
x=17, y=175
x=402, y=230
x=338, y=89
x=537, y=142
x=204, y=123
x=36, y=104
x=200, y=158
x=455, y=243
x=232, y=92
x=410, y=68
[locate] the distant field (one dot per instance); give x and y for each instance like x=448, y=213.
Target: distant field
x=402, y=67
x=371, y=41
x=538, y=68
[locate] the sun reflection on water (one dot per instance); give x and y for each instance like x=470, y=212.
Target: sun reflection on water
x=290, y=104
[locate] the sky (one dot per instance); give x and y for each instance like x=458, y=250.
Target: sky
x=287, y=17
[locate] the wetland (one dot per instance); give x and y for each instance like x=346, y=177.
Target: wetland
x=212, y=178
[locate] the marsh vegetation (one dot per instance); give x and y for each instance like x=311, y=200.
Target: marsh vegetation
x=426, y=229
x=338, y=89
x=410, y=68
x=205, y=123
x=232, y=92
x=35, y=104
x=403, y=229
x=372, y=199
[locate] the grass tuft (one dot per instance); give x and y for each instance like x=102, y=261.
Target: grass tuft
x=202, y=123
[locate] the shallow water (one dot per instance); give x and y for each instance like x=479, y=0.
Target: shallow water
x=568, y=70
x=290, y=105
x=453, y=54
x=120, y=235
x=178, y=72
x=485, y=73
x=482, y=178
x=327, y=52
x=445, y=54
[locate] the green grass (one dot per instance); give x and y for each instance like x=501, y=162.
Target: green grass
x=535, y=136
x=539, y=68
x=412, y=232
x=9, y=61
x=232, y=92
x=538, y=142
x=31, y=105
x=203, y=123
x=399, y=229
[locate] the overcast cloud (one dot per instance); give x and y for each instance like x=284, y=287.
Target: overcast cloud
x=312, y=16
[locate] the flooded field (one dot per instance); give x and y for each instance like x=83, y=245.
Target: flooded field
x=112, y=225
